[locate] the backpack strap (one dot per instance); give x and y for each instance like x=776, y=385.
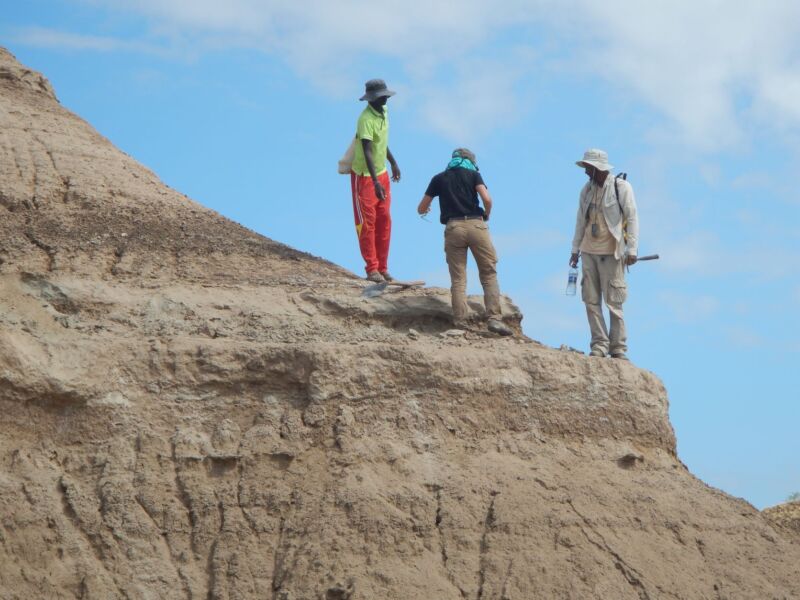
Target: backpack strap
x=624, y=177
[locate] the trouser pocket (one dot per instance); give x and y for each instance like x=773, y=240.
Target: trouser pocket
x=589, y=292
x=617, y=291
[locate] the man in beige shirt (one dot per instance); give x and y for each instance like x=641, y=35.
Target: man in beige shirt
x=607, y=237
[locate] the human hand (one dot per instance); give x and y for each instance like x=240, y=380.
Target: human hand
x=630, y=259
x=573, y=260
x=379, y=191
x=395, y=172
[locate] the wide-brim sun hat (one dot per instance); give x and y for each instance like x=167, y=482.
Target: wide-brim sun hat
x=595, y=158
x=374, y=89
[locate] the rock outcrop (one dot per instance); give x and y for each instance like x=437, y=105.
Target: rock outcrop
x=785, y=517
x=191, y=410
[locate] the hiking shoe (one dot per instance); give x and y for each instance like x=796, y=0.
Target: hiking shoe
x=386, y=276
x=620, y=356
x=498, y=327
x=375, y=277
x=598, y=353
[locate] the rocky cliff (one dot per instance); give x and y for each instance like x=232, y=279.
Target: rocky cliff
x=193, y=411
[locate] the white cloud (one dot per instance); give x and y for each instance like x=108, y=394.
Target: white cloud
x=704, y=64
x=50, y=38
x=761, y=255
x=480, y=97
x=695, y=252
x=233, y=15
x=317, y=34
x=529, y=241
x=768, y=186
x=741, y=309
x=745, y=338
x=712, y=70
x=687, y=308
x=440, y=45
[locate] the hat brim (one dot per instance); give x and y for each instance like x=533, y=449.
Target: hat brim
x=597, y=165
x=370, y=96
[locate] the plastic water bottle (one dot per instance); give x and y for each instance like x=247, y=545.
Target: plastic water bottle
x=572, y=281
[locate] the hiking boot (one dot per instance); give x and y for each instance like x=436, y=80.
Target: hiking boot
x=375, y=277
x=620, y=356
x=598, y=353
x=498, y=327
x=387, y=276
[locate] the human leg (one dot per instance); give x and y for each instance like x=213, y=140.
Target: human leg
x=480, y=244
x=591, y=295
x=615, y=292
x=364, y=205
x=383, y=224
x=455, y=248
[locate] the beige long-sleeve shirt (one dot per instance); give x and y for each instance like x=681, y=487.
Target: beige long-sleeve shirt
x=610, y=211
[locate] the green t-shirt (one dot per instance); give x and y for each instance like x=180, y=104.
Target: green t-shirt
x=374, y=126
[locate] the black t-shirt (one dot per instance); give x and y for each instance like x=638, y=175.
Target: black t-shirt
x=456, y=191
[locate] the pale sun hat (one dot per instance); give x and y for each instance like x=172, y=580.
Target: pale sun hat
x=595, y=158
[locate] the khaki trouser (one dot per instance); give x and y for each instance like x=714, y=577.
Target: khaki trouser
x=604, y=279
x=472, y=234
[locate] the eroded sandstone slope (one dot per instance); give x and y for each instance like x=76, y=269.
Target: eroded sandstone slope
x=191, y=410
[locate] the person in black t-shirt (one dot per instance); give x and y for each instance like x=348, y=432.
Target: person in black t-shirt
x=458, y=188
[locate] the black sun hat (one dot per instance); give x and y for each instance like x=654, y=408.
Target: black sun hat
x=376, y=88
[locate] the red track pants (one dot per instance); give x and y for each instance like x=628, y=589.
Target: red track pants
x=373, y=220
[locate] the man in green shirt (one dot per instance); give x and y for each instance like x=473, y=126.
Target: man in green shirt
x=369, y=181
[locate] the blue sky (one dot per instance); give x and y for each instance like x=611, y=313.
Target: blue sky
x=246, y=106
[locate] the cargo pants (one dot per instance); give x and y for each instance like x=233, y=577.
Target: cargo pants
x=604, y=279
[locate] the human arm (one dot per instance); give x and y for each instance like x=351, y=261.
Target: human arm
x=431, y=192
x=424, y=205
x=483, y=192
x=393, y=164
x=580, y=225
x=631, y=215
x=367, y=146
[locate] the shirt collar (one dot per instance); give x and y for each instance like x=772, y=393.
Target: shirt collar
x=609, y=180
x=375, y=112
